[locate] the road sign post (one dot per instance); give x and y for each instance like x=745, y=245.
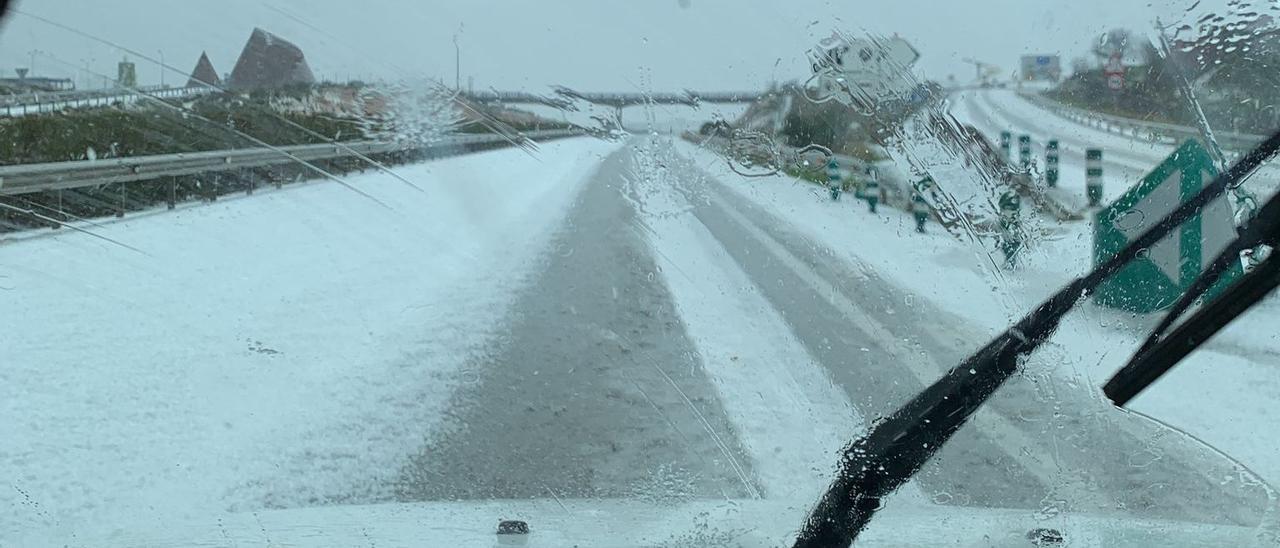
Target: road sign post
x=1051, y=163
x=1024, y=151
x=1005, y=142
x=833, y=179
x=1010, y=226
x=1093, y=176
x=1163, y=273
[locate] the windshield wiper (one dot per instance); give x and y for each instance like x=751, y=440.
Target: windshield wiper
x=1162, y=349
x=897, y=447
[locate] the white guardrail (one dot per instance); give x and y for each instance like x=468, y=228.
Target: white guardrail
x=29, y=178
x=52, y=101
x=1141, y=129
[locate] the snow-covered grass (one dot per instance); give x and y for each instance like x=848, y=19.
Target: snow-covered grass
x=285, y=349
x=1226, y=394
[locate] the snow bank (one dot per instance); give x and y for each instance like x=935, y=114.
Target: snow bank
x=289, y=348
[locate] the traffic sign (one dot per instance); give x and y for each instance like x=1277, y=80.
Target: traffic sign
x=1162, y=273
x=1114, y=71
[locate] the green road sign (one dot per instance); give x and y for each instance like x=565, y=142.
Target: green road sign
x=1160, y=275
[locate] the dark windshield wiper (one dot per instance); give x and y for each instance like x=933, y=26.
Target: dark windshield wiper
x=897, y=447
x=1163, y=349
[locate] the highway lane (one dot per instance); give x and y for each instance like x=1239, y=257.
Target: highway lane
x=1125, y=160
x=598, y=391
x=595, y=390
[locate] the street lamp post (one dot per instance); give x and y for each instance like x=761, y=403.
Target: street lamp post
x=457, y=64
x=161, y=52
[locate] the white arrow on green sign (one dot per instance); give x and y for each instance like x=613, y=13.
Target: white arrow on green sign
x=1158, y=277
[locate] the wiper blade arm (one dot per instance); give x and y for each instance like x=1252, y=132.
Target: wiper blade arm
x=1161, y=351
x=1157, y=360
x=896, y=448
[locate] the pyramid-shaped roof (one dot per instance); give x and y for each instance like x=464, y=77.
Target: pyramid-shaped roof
x=204, y=74
x=269, y=61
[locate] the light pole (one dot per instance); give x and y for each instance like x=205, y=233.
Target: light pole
x=161, y=52
x=457, y=64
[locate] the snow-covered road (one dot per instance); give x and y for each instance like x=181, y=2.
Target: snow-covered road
x=586, y=320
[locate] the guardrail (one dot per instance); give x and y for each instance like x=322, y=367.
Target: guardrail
x=1140, y=129
x=37, y=103
x=31, y=178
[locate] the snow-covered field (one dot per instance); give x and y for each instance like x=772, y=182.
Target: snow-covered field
x=285, y=349
x=1226, y=394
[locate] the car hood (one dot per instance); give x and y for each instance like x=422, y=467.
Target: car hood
x=611, y=522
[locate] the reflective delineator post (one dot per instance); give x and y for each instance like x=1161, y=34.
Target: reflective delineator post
x=1005, y=139
x=1010, y=226
x=833, y=179
x=871, y=189
x=1093, y=176
x=1024, y=151
x=919, y=206
x=1051, y=163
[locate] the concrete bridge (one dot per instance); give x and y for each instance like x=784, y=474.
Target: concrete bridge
x=565, y=98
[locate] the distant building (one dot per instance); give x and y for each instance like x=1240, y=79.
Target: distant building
x=269, y=61
x=204, y=75
x=126, y=74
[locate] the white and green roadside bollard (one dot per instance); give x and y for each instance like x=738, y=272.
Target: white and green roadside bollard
x=871, y=188
x=1010, y=226
x=1093, y=176
x=833, y=179
x=1005, y=143
x=1051, y=163
x=1024, y=152
x=919, y=206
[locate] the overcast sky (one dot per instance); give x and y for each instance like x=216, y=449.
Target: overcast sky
x=586, y=44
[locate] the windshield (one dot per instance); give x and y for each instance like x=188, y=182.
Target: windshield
x=601, y=258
